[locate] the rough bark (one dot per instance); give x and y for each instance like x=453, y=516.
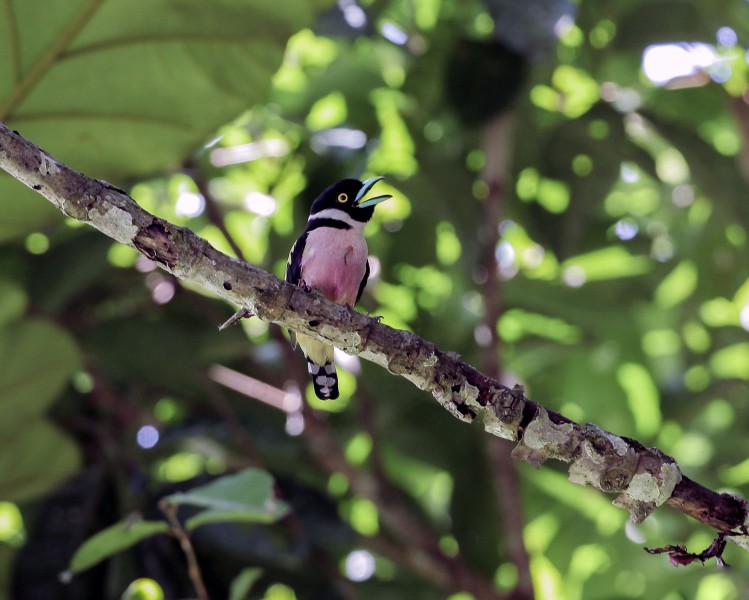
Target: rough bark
x=643, y=478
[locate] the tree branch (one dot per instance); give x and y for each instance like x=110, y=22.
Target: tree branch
x=643, y=478
x=498, y=134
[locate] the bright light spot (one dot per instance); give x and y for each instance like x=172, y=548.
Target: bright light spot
x=627, y=100
x=633, y=532
x=505, y=254
x=347, y=362
x=662, y=249
x=363, y=516
x=233, y=155
x=506, y=260
x=163, y=291
x=582, y=165
x=744, y=317
x=671, y=166
x=509, y=272
x=353, y=13
x=181, y=466
x=721, y=72
x=338, y=137
x=360, y=565
x=574, y=276
x=533, y=256
x=338, y=484
x=143, y=589
x=629, y=174
x=165, y=409
x=394, y=34
x=449, y=545
x=484, y=24
x=190, y=204
x=148, y=436
x=37, y=243
x=635, y=127
x=483, y=335
x=727, y=37
x=292, y=400
x=506, y=576
x=664, y=62
x=683, y=195
x=83, y=382
x=563, y=25
x=260, y=204
x=693, y=449
x=625, y=230
x=294, y=424
x=608, y=91
x=122, y=256
x=11, y=524
x=144, y=265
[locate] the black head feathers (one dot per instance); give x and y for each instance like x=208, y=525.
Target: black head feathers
x=348, y=195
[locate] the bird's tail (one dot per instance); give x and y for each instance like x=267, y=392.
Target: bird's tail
x=324, y=379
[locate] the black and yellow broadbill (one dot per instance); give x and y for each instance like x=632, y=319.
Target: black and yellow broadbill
x=331, y=255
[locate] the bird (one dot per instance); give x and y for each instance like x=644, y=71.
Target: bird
x=331, y=255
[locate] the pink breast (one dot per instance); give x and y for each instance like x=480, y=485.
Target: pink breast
x=334, y=261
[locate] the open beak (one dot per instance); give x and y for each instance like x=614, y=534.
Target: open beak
x=366, y=186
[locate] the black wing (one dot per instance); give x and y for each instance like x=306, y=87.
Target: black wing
x=294, y=264
x=294, y=269
x=363, y=283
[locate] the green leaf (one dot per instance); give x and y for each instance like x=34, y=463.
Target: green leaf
x=731, y=362
x=246, y=496
x=38, y=358
x=678, y=285
x=206, y=517
x=112, y=540
x=611, y=262
x=242, y=584
x=122, y=89
x=34, y=460
x=642, y=396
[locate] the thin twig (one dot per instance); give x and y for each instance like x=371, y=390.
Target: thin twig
x=179, y=532
x=242, y=313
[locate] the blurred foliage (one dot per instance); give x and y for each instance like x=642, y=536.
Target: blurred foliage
x=622, y=256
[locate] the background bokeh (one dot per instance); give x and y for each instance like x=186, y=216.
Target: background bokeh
x=570, y=212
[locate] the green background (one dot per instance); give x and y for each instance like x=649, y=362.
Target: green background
x=621, y=294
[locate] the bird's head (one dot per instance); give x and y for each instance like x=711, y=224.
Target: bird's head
x=347, y=195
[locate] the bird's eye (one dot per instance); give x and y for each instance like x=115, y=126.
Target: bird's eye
x=342, y=198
